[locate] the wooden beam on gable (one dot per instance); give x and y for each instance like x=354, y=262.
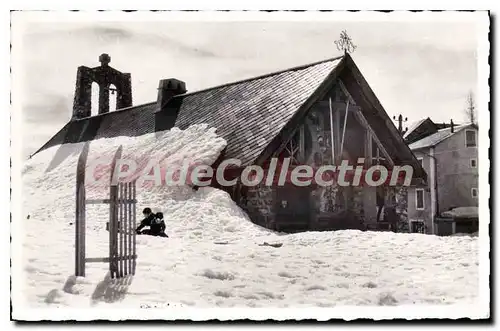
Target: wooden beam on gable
x=368, y=148
x=339, y=105
x=279, y=142
x=366, y=125
x=302, y=144
x=346, y=92
x=336, y=131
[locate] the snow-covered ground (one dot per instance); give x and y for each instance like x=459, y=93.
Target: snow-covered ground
x=214, y=256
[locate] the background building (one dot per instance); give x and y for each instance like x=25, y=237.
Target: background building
x=448, y=153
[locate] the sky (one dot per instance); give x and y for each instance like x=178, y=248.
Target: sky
x=416, y=68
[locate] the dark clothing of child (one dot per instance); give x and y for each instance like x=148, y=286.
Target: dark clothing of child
x=146, y=222
x=160, y=225
x=156, y=226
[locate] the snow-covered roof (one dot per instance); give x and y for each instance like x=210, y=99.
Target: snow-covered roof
x=248, y=113
x=413, y=127
x=254, y=115
x=462, y=212
x=436, y=138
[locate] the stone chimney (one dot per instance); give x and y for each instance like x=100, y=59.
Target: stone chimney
x=166, y=108
x=167, y=89
x=452, y=126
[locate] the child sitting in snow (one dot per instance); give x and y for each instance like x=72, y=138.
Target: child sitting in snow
x=154, y=221
x=160, y=224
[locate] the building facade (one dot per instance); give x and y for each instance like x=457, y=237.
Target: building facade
x=449, y=156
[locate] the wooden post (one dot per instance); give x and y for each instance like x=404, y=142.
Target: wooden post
x=302, y=144
x=368, y=148
x=134, y=263
x=343, y=131
x=80, y=232
x=131, y=229
x=80, y=213
x=113, y=219
x=331, y=131
x=337, y=134
x=113, y=265
x=120, y=230
x=124, y=220
x=369, y=193
x=127, y=228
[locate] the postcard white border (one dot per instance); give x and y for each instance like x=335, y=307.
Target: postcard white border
x=421, y=311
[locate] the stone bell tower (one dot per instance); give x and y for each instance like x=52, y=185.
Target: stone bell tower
x=104, y=76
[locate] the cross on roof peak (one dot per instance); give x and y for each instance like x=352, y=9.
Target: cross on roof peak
x=104, y=59
x=344, y=43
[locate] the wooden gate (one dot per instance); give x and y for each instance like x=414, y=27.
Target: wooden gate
x=121, y=226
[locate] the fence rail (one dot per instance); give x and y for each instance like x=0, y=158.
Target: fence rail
x=121, y=226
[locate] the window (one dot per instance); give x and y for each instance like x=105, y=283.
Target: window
x=419, y=198
x=474, y=192
x=470, y=138
x=417, y=226
x=473, y=163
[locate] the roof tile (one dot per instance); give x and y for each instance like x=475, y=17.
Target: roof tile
x=256, y=109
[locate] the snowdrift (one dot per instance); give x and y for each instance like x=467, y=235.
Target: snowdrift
x=214, y=256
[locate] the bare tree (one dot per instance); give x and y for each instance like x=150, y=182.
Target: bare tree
x=470, y=110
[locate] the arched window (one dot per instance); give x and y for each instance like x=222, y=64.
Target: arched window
x=95, y=99
x=112, y=97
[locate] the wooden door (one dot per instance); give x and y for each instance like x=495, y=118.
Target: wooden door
x=292, y=208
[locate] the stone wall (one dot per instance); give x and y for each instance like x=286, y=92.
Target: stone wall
x=258, y=203
x=400, y=194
